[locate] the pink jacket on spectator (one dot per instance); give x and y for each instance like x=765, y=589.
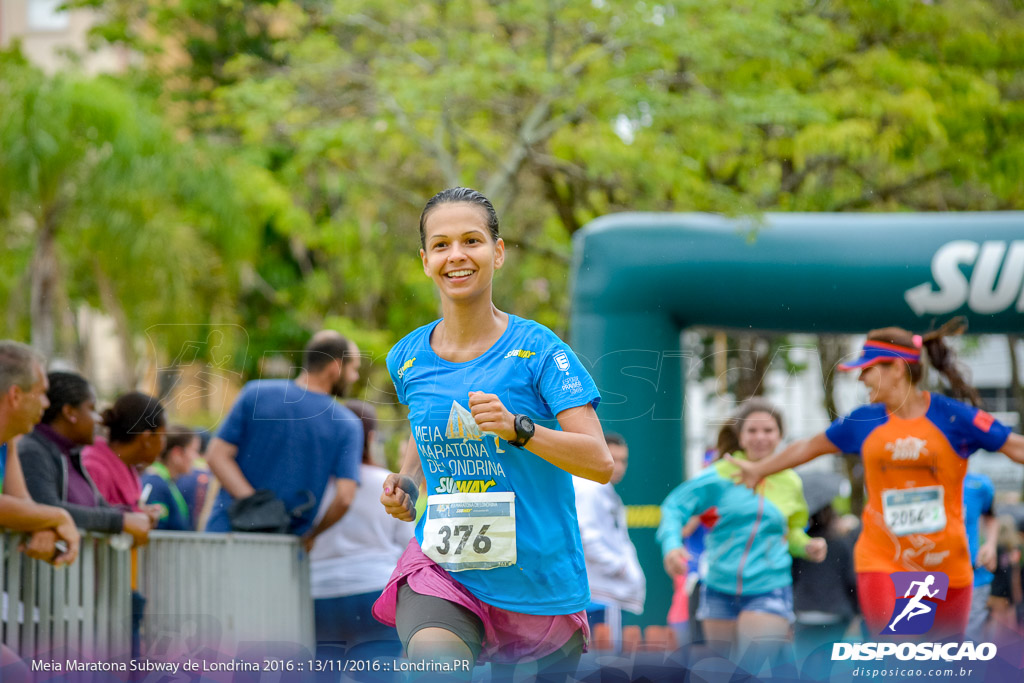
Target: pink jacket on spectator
x=116, y=481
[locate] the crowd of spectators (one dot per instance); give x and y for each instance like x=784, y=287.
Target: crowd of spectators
x=289, y=458
x=66, y=467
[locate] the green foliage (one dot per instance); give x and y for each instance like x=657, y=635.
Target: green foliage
x=358, y=110
x=144, y=222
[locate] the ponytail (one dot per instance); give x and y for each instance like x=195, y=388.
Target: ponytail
x=944, y=360
x=940, y=356
x=728, y=441
x=131, y=415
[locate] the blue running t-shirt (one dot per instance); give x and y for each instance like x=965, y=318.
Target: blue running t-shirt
x=533, y=372
x=292, y=441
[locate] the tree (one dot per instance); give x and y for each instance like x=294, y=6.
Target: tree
x=565, y=110
x=102, y=205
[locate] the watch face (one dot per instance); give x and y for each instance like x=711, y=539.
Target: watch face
x=524, y=428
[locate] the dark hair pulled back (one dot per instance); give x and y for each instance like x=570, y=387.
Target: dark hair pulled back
x=66, y=389
x=940, y=355
x=456, y=195
x=132, y=414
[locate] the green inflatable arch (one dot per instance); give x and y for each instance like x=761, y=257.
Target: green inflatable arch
x=640, y=279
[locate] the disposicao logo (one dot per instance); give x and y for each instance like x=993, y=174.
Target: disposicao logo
x=917, y=596
x=914, y=612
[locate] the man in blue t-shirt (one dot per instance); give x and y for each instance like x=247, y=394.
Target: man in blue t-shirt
x=290, y=437
x=978, y=496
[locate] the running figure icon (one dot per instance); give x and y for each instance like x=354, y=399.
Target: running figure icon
x=916, y=607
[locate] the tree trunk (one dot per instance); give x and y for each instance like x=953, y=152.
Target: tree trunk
x=831, y=350
x=112, y=307
x=43, y=289
x=721, y=362
x=753, y=361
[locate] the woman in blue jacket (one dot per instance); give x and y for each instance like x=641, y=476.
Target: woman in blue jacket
x=747, y=594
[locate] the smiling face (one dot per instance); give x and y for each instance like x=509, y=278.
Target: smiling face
x=459, y=254
x=884, y=381
x=759, y=435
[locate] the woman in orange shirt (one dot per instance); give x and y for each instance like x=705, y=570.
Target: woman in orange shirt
x=914, y=446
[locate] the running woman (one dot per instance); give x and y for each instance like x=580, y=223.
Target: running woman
x=914, y=446
x=914, y=606
x=747, y=594
x=496, y=571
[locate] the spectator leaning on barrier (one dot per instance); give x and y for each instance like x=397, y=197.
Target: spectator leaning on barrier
x=22, y=402
x=51, y=460
x=180, y=452
x=616, y=579
x=138, y=433
x=283, y=440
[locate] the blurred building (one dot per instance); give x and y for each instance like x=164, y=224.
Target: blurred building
x=53, y=38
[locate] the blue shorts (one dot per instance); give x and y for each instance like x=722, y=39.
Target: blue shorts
x=718, y=605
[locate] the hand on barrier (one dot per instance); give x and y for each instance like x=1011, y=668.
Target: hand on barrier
x=154, y=512
x=41, y=545
x=67, y=532
x=138, y=525
x=399, y=497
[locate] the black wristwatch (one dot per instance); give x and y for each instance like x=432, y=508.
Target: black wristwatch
x=524, y=430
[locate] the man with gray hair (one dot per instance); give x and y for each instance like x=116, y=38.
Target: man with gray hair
x=22, y=402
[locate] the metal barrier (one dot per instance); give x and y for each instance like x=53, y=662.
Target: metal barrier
x=84, y=608
x=223, y=591
x=220, y=591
